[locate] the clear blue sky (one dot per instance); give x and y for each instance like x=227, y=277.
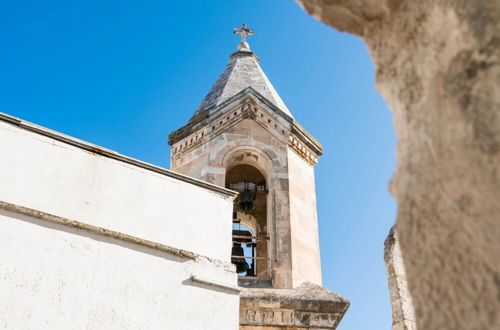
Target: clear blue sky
x=124, y=74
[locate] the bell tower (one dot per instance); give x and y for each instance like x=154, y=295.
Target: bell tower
x=244, y=137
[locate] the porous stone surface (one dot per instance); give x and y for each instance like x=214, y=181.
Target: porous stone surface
x=309, y=306
x=437, y=66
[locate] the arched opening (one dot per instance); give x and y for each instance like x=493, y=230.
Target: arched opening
x=250, y=237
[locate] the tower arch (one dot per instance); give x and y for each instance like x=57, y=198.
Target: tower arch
x=251, y=184
x=248, y=155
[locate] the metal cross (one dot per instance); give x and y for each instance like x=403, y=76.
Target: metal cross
x=244, y=32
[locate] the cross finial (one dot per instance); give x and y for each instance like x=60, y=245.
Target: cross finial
x=244, y=32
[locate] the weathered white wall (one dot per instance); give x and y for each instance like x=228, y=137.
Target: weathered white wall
x=54, y=278
x=54, y=177
x=59, y=277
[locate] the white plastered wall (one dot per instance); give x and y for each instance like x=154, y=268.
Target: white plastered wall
x=47, y=175
x=55, y=277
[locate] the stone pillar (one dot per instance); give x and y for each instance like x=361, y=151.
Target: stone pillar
x=438, y=67
x=403, y=316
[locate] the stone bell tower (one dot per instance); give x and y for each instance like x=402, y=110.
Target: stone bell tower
x=244, y=137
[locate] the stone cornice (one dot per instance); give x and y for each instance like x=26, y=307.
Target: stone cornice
x=307, y=138
x=304, y=144
x=308, y=306
x=214, y=112
x=221, y=121
x=246, y=104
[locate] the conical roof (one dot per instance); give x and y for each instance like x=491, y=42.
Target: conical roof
x=243, y=71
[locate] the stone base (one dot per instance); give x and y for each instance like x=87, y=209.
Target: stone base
x=307, y=307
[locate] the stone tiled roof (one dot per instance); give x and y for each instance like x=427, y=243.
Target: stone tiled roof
x=242, y=71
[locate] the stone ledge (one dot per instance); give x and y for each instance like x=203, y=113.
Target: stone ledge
x=29, y=212
x=307, y=307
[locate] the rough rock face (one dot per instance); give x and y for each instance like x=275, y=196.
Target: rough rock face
x=438, y=68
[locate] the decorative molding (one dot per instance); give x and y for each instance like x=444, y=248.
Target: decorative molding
x=195, y=133
x=202, y=280
x=302, y=150
x=308, y=306
x=288, y=318
x=307, y=138
x=99, y=231
x=212, y=114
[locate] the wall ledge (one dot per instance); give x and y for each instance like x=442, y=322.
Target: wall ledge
x=14, y=208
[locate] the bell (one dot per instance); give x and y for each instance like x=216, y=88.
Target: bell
x=241, y=264
x=246, y=203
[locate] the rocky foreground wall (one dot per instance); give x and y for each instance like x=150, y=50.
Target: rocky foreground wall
x=438, y=67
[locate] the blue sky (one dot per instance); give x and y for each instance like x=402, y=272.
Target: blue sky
x=124, y=74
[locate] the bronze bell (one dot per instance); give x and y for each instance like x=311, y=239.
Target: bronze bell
x=241, y=264
x=246, y=203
